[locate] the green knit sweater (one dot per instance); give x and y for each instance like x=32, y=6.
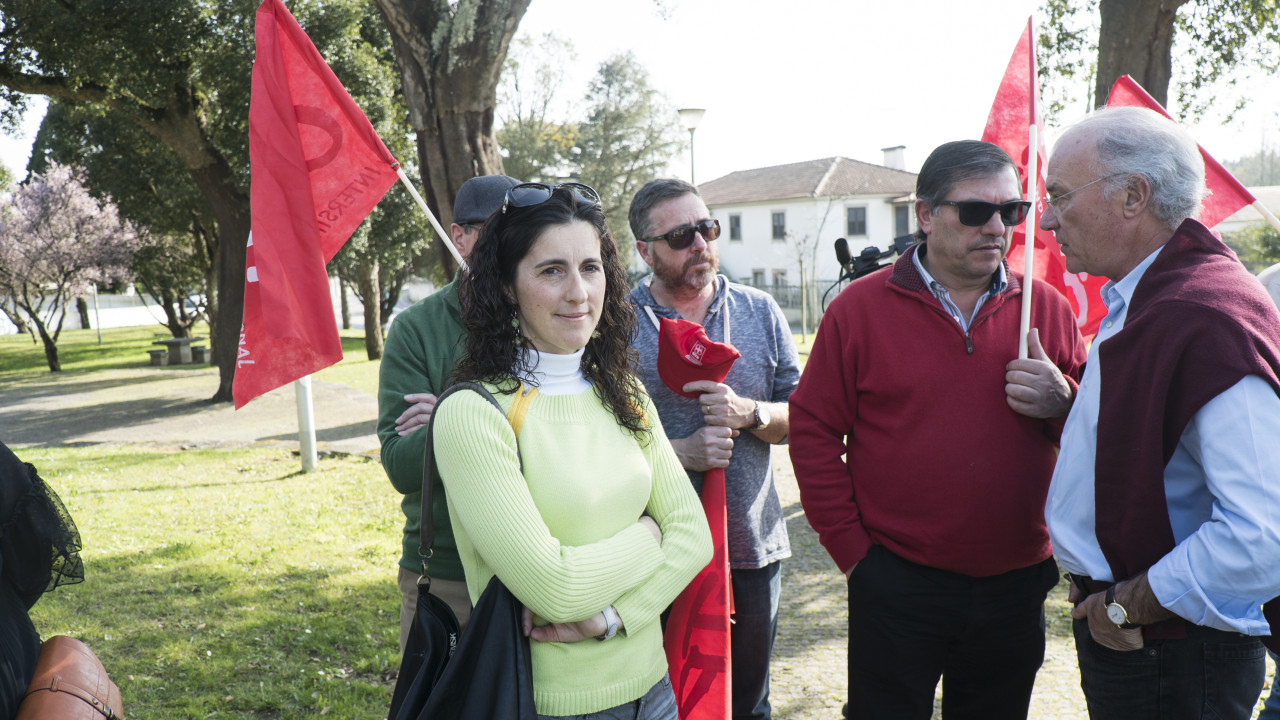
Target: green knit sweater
x=564, y=536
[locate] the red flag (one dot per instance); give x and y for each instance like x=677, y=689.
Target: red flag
x=1226, y=194
x=317, y=169
x=1016, y=107
x=697, y=633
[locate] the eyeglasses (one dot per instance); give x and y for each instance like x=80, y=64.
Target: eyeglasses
x=1055, y=200
x=976, y=213
x=682, y=237
x=529, y=194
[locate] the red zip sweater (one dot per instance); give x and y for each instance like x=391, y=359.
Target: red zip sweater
x=940, y=470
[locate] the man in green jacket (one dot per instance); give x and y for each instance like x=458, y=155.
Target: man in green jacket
x=422, y=346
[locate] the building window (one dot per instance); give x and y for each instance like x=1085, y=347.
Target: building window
x=779, y=278
x=857, y=222
x=780, y=225
x=757, y=278
x=901, y=220
x=735, y=227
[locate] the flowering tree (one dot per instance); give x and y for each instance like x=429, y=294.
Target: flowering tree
x=55, y=238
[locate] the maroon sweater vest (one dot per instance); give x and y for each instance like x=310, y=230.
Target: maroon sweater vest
x=1198, y=323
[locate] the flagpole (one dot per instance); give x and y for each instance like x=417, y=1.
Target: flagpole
x=1029, y=238
x=444, y=236
x=306, y=423
x=1257, y=205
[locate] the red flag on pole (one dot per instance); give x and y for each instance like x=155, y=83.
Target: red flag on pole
x=1226, y=194
x=697, y=633
x=1016, y=107
x=317, y=169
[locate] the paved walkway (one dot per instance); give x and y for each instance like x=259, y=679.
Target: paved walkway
x=169, y=407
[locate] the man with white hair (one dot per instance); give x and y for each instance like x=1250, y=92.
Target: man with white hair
x=1164, y=507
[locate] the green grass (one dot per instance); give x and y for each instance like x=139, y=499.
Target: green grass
x=79, y=351
x=227, y=584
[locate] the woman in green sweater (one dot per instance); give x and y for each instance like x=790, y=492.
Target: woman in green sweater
x=601, y=530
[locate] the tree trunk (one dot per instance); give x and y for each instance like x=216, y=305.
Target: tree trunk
x=450, y=56
x=346, y=304
x=82, y=308
x=369, y=294
x=1135, y=38
x=16, y=318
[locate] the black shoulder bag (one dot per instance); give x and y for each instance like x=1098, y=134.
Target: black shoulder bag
x=482, y=675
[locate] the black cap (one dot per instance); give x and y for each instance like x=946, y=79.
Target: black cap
x=479, y=197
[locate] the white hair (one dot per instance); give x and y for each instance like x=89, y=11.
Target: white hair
x=1139, y=141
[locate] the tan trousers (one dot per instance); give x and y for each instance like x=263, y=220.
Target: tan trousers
x=453, y=592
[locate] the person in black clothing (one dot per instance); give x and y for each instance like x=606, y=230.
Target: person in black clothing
x=39, y=550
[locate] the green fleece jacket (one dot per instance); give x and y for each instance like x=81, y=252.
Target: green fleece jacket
x=422, y=346
x=564, y=537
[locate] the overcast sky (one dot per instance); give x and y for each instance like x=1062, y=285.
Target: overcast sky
x=806, y=79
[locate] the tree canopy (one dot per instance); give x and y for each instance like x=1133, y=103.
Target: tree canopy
x=1093, y=42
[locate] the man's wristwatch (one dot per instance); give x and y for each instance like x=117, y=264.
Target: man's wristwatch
x=761, y=417
x=1116, y=612
x=612, y=624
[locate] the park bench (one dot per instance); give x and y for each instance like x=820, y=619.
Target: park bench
x=199, y=354
x=159, y=358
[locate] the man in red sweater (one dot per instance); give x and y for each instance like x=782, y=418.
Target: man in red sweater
x=923, y=449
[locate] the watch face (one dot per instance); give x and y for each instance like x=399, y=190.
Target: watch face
x=1116, y=614
x=762, y=413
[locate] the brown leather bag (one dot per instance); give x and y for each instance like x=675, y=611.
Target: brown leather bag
x=70, y=684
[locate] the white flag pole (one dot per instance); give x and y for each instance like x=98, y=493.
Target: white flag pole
x=306, y=423
x=444, y=236
x=1029, y=239
x=1257, y=205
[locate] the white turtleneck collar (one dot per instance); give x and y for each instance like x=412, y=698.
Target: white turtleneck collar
x=556, y=374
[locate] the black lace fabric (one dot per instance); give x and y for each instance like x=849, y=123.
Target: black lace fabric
x=39, y=542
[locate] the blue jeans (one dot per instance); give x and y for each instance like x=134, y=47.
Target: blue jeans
x=657, y=704
x=1209, y=674
x=1271, y=710
x=755, y=625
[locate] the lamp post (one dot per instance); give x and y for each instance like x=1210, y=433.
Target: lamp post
x=690, y=117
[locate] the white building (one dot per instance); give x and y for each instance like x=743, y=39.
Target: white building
x=778, y=225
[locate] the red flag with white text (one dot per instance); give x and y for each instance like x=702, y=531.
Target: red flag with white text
x=1226, y=194
x=317, y=169
x=1016, y=107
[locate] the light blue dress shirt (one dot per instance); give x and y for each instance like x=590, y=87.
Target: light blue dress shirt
x=999, y=282
x=1222, y=488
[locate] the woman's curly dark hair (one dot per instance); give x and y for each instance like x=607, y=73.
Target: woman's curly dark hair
x=493, y=351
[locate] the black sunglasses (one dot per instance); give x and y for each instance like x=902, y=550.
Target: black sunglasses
x=976, y=213
x=529, y=194
x=682, y=237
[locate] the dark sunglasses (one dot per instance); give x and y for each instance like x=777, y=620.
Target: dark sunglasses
x=976, y=213
x=682, y=237
x=529, y=194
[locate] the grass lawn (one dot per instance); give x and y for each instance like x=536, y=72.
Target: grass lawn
x=227, y=584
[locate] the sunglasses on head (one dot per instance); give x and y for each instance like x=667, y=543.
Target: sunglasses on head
x=976, y=213
x=682, y=237
x=529, y=194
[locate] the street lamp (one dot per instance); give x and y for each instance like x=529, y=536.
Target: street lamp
x=690, y=117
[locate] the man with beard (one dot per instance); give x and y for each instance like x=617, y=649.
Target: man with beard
x=923, y=450
x=730, y=424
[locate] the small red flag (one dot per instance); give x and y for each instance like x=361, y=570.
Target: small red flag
x=317, y=169
x=697, y=633
x=1016, y=107
x=1226, y=194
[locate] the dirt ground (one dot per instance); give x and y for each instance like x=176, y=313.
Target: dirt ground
x=167, y=407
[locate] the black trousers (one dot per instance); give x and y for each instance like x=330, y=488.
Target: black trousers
x=1209, y=674
x=910, y=625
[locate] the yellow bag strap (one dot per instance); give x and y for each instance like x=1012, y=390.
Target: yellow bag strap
x=520, y=407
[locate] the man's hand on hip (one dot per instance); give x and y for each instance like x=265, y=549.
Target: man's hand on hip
x=1105, y=632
